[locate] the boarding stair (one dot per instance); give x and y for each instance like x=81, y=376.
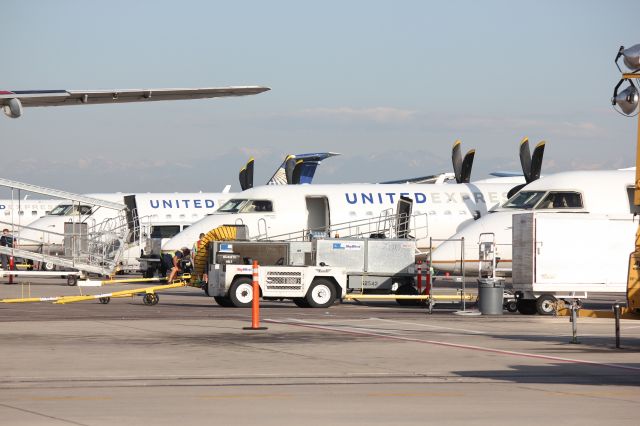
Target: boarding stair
x=89, y=249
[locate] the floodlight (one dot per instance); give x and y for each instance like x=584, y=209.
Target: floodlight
x=631, y=57
x=626, y=100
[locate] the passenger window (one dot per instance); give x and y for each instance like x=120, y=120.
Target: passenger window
x=561, y=200
x=34, y=213
x=85, y=209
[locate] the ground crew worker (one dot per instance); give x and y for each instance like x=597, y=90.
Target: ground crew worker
x=6, y=240
x=177, y=263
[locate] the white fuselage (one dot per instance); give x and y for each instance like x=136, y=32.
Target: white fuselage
x=24, y=211
x=439, y=209
x=152, y=209
x=597, y=193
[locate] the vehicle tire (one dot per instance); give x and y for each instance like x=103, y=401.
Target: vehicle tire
x=104, y=300
x=223, y=301
x=148, y=273
x=72, y=280
x=527, y=306
x=150, y=299
x=321, y=294
x=511, y=306
x=301, y=302
x=241, y=292
x=546, y=304
x=47, y=266
x=407, y=290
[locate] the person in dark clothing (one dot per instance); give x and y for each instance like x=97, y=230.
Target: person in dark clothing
x=6, y=240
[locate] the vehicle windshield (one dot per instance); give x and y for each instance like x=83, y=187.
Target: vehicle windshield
x=524, y=200
x=246, y=206
x=68, y=209
x=232, y=206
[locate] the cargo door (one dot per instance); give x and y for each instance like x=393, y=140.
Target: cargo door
x=318, y=219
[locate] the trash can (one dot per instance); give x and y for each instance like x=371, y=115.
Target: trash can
x=490, y=296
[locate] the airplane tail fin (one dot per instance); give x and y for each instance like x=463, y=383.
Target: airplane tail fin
x=304, y=171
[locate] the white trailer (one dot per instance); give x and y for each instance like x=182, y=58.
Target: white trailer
x=568, y=256
x=311, y=273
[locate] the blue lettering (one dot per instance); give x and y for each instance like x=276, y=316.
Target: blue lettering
x=355, y=199
x=391, y=195
x=404, y=194
x=196, y=204
x=167, y=203
x=186, y=203
x=380, y=198
x=209, y=204
x=420, y=198
x=365, y=198
x=177, y=204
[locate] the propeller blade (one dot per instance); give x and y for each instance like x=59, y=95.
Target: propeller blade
x=249, y=175
x=297, y=171
x=525, y=159
x=467, y=164
x=536, y=161
x=515, y=189
x=289, y=166
x=456, y=158
x=243, y=178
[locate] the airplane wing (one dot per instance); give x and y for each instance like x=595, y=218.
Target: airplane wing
x=13, y=101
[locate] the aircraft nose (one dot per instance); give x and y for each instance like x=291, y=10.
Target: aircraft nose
x=446, y=257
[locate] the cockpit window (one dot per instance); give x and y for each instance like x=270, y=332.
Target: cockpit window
x=232, y=206
x=561, y=200
x=257, y=206
x=246, y=206
x=524, y=200
x=67, y=210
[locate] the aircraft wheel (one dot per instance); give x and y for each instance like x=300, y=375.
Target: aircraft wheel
x=72, y=280
x=150, y=299
x=104, y=300
x=526, y=306
x=321, y=294
x=546, y=304
x=241, y=293
x=225, y=302
x=511, y=306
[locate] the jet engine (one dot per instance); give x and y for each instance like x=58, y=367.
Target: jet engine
x=12, y=108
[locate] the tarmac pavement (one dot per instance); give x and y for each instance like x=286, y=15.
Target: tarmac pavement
x=189, y=361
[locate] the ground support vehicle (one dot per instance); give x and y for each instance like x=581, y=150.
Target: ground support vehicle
x=312, y=273
x=567, y=256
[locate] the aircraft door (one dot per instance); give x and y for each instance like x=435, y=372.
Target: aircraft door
x=318, y=216
x=403, y=217
x=133, y=222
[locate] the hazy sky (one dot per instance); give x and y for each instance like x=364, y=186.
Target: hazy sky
x=390, y=85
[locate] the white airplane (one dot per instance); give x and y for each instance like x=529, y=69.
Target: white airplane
x=439, y=209
x=602, y=193
x=159, y=215
x=13, y=102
